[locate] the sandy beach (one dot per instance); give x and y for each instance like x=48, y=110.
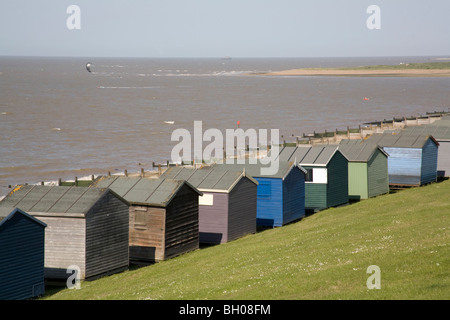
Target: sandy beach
x=363, y=72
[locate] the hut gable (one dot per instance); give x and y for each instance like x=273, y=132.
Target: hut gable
x=21, y=255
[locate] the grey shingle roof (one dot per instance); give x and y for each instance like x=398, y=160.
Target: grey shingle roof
x=358, y=151
x=145, y=191
x=439, y=132
x=309, y=155
x=208, y=178
x=400, y=140
x=255, y=170
x=52, y=199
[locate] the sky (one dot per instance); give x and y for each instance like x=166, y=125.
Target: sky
x=219, y=28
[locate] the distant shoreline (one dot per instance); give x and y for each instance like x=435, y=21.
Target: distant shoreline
x=437, y=69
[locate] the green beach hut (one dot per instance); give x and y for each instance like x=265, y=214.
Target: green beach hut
x=367, y=169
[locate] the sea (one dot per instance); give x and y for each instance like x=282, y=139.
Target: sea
x=58, y=120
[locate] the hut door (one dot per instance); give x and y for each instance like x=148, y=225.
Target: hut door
x=140, y=219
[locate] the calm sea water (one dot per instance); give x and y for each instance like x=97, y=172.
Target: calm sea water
x=57, y=120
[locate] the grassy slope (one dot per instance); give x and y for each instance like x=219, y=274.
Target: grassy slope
x=324, y=256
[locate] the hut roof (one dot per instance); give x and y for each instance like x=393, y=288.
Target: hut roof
x=400, y=140
x=439, y=131
x=53, y=200
x=255, y=170
x=143, y=191
x=310, y=155
x=358, y=151
x=212, y=178
x=7, y=213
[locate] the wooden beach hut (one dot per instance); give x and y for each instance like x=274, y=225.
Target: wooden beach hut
x=367, y=169
x=412, y=158
x=227, y=208
x=440, y=130
x=163, y=215
x=86, y=227
x=326, y=183
x=280, y=196
x=21, y=255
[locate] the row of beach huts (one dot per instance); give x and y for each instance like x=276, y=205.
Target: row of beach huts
x=121, y=220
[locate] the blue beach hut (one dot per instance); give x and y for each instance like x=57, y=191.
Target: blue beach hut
x=281, y=196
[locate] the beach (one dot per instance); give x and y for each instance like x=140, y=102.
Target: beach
x=363, y=72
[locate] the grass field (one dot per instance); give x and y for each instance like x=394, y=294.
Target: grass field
x=324, y=256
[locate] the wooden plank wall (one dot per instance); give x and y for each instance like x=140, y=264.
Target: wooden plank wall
x=147, y=229
x=444, y=158
x=213, y=220
x=182, y=231
x=293, y=196
x=64, y=245
x=242, y=209
x=269, y=210
x=429, y=162
x=21, y=259
x=107, y=236
x=337, y=187
x=404, y=165
x=378, y=177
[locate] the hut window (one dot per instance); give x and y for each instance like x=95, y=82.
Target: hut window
x=264, y=190
x=140, y=220
x=316, y=175
x=320, y=175
x=206, y=200
x=309, y=175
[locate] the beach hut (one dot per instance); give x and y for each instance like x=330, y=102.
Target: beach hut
x=412, y=158
x=21, y=255
x=327, y=174
x=163, y=215
x=280, y=196
x=367, y=169
x=86, y=227
x=440, y=131
x=227, y=208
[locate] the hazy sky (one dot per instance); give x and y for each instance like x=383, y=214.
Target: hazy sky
x=217, y=28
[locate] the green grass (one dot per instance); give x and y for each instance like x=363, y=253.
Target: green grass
x=323, y=256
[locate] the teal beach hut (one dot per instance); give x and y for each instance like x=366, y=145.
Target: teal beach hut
x=326, y=183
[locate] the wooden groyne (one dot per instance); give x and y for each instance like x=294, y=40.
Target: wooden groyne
x=366, y=129
x=327, y=137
